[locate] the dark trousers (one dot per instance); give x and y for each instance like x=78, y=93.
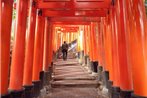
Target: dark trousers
x=64, y=54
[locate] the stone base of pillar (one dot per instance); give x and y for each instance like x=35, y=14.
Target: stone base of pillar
x=136, y=96
x=42, y=79
x=85, y=58
x=125, y=94
x=37, y=88
x=52, y=67
x=110, y=83
x=105, y=75
x=29, y=91
x=114, y=92
x=46, y=78
x=110, y=88
x=84, y=61
x=95, y=66
x=50, y=73
x=18, y=93
x=100, y=70
x=6, y=96
x=91, y=65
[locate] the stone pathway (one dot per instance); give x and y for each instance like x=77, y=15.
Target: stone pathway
x=70, y=80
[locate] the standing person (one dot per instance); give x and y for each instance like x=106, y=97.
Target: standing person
x=64, y=50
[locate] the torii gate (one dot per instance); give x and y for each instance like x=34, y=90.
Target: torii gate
x=114, y=39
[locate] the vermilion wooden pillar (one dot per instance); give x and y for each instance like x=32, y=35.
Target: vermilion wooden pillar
x=137, y=50
x=87, y=47
x=59, y=40
x=103, y=40
x=92, y=40
x=29, y=52
x=0, y=12
x=91, y=47
x=125, y=71
x=89, y=43
x=5, y=32
x=108, y=48
x=78, y=44
x=115, y=55
x=37, y=54
x=44, y=55
x=94, y=49
x=105, y=37
x=70, y=37
x=50, y=44
x=18, y=54
x=99, y=45
x=106, y=54
x=115, y=62
x=46, y=45
x=100, y=40
x=42, y=42
x=85, y=41
x=54, y=39
x=27, y=80
x=96, y=41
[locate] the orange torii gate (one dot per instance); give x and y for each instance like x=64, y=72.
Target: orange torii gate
x=114, y=38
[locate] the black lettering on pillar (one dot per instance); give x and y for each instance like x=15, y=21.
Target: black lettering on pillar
x=39, y=12
x=113, y=2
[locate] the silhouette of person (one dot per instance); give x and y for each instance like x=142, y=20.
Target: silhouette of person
x=64, y=50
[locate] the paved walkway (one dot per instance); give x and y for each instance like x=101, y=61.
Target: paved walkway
x=70, y=80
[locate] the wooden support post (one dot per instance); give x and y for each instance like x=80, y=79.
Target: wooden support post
x=85, y=41
x=125, y=71
x=45, y=52
x=94, y=48
x=100, y=42
x=41, y=76
x=50, y=45
x=90, y=39
x=37, y=54
x=89, y=43
x=85, y=44
x=29, y=52
x=18, y=54
x=5, y=32
x=89, y=49
x=42, y=43
x=115, y=54
x=46, y=45
x=108, y=49
x=137, y=45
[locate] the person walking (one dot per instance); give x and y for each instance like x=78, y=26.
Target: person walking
x=65, y=50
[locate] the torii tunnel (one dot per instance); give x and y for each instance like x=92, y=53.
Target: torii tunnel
x=110, y=34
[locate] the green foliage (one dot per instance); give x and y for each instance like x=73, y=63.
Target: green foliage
x=14, y=13
x=14, y=0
